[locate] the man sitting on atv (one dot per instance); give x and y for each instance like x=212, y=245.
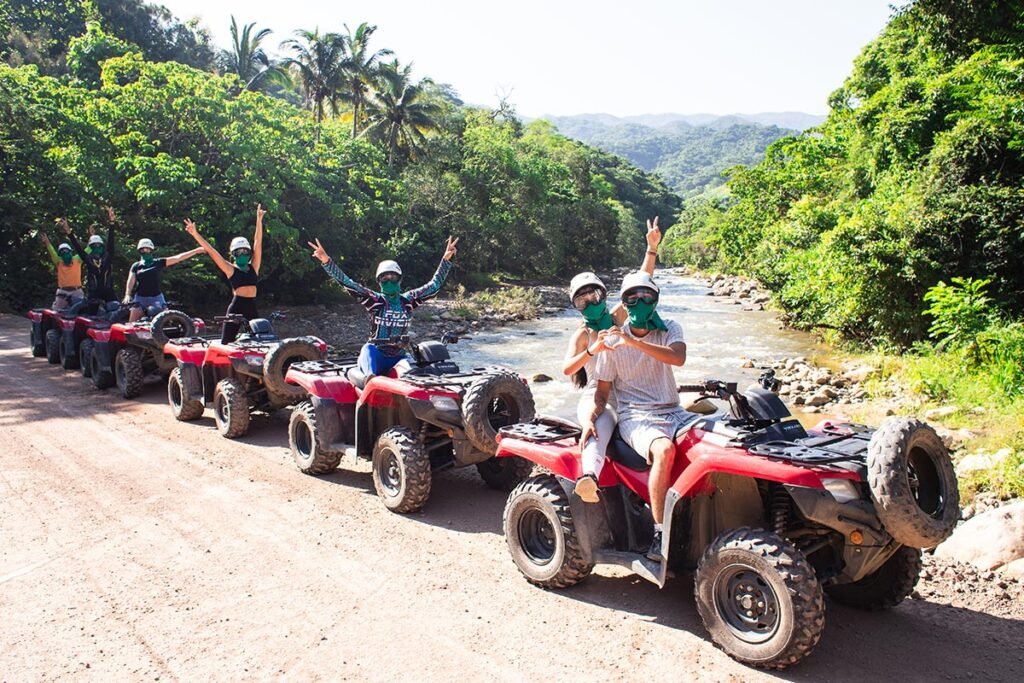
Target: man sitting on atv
x=637, y=366
x=98, y=261
x=69, y=274
x=390, y=310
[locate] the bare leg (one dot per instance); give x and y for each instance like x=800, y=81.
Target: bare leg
x=135, y=314
x=663, y=453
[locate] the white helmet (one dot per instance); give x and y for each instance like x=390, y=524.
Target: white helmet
x=62, y=246
x=239, y=243
x=95, y=239
x=582, y=280
x=145, y=243
x=388, y=267
x=638, y=279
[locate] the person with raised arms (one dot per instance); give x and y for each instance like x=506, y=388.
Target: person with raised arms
x=390, y=310
x=242, y=272
x=69, y=274
x=144, y=279
x=98, y=257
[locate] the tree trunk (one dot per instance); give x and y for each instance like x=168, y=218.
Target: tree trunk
x=392, y=144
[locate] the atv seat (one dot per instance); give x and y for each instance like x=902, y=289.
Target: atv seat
x=622, y=453
x=260, y=330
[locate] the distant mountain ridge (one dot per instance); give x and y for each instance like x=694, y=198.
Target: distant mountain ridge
x=689, y=151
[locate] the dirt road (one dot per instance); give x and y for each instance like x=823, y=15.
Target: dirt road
x=133, y=547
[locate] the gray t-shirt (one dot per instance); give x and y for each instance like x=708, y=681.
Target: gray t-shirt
x=641, y=383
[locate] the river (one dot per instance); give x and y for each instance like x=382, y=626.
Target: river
x=719, y=338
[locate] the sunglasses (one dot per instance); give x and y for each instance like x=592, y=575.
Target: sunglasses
x=389, y=277
x=145, y=251
x=242, y=252
x=585, y=297
x=644, y=295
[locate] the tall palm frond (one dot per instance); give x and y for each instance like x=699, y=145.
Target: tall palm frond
x=402, y=116
x=318, y=60
x=360, y=68
x=247, y=59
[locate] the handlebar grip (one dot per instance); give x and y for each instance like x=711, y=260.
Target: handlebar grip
x=691, y=388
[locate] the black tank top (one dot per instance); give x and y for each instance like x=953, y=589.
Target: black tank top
x=243, y=278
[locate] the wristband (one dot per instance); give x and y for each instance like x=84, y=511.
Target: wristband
x=588, y=351
x=652, y=251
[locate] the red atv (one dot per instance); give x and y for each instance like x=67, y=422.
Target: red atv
x=58, y=334
x=44, y=339
x=768, y=514
x=431, y=418
x=238, y=378
x=123, y=353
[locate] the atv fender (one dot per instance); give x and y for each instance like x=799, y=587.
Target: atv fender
x=558, y=457
x=328, y=422
x=733, y=501
x=104, y=354
x=192, y=382
x=861, y=559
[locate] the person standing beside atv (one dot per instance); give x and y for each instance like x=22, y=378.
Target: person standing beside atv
x=389, y=309
x=638, y=368
x=589, y=295
x=144, y=279
x=98, y=261
x=242, y=272
x=69, y=274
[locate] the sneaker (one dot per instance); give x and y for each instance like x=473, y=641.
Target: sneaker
x=654, y=553
x=586, y=488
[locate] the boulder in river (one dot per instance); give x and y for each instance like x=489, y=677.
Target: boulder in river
x=540, y=378
x=989, y=540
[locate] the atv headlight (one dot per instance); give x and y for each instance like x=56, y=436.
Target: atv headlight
x=843, y=490
x=446, y=403
x=144, y=334
x=255, y=361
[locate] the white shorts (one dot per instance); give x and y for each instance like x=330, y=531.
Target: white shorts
x=640, y=430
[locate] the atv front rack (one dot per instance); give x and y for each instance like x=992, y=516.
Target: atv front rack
x=542, y=430
x=835, y=443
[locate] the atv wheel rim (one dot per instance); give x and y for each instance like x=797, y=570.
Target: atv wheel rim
x=925, y=483
x=221, y=410
x=390, y=473
x=747, y=604
x=175, y=395
x=502, y=413
x=537, y=536
x=303, y=441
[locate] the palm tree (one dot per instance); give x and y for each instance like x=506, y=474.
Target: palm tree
x=247, y=59
x=360, y=68
x=402, y=114
x=318, y=60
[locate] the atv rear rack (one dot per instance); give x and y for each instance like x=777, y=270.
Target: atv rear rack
x=542, y=430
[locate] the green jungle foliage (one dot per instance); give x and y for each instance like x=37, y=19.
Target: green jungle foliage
x=690, y=159
x=916, y=177
x=163, y=141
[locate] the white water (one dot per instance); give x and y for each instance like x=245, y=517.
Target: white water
x=719, y=338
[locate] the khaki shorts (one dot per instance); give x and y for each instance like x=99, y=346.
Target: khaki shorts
x=640, y=430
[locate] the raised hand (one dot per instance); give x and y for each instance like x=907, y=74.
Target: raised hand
x=653, y=234
x=111, y=216
x=260, y=212
x=319, y=252
x=64, y=226
x=190, y=228
x=450, y=250
x=92, y=230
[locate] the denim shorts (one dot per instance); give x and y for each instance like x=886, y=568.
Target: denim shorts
x=148, y=301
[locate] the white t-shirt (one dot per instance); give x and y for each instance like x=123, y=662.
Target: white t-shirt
x=641, y=383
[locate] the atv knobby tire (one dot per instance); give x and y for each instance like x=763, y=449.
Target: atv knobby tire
x=231, y=408
x=128, y=372
x=304, y=437
x=887, y=587
x=913, y=483
x=505, y=473
x=541, y=534
x=85, y=357
x=171, y=324
x=280, y=358
x=68, y=352
x=184, y=407
x=101, y=378
x=401, y=470
x=53, y=346
x=759, y=598
x=38, y=346
x=494, y=401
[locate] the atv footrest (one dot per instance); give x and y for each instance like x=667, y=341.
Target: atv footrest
x=542, y=430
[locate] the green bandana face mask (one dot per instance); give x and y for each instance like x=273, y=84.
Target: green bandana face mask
x=242, y=261
x=597, y=316
x=390, y=288
x=96, y=251
x=66, y=257
x=643, y=316
x=147, y=260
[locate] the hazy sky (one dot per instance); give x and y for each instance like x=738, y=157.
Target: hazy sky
x=619, y=57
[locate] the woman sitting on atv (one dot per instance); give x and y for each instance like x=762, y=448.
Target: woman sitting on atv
x=144, y=279
x=390, y=310
x=69, y=274
x=242, y=272
x=588, y=295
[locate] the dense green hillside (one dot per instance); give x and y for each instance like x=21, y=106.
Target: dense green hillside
x=162, y=141
x=690, y=158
